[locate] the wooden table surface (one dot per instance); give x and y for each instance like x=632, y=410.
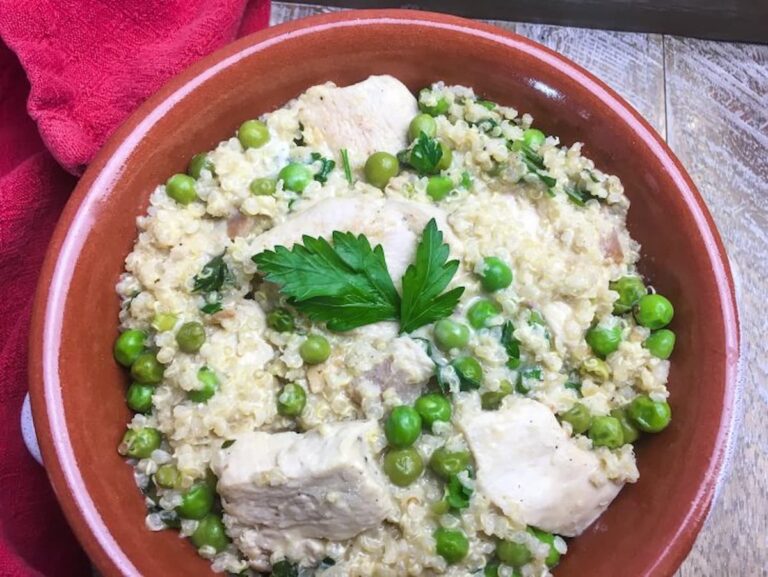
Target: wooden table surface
x=710, y=101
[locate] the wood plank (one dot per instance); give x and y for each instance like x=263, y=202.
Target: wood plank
x=630, y=63
x=717, y=121
x=285, y=11
x=741, y=20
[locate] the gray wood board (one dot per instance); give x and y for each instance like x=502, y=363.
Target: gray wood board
x=710, y=99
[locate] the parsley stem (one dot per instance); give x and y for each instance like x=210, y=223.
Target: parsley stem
x=345, y=162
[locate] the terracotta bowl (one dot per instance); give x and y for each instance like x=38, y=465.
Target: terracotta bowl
x=78, y=390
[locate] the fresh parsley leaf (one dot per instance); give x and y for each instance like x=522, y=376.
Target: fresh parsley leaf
x=425, y=279
x=346, y=285
x=326, y=166
x=424, y=156
x=213, y=276
x=511, y=345
x=347, y=167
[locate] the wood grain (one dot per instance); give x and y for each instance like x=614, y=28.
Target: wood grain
x=717, y=120
x=711, y=100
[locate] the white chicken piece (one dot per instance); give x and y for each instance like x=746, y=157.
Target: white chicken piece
x=530, y=468
x=323, y=484
x=394, y=224
x=367, y=117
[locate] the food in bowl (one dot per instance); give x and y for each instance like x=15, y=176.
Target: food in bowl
x=382, y=334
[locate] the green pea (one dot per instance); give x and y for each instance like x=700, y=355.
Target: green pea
x=210, y=532
x=438, y=187
x=606, y=432
x=482, y=312
x=512, y=553
x=579, y=417
x=422, y=123
x=403, y=466
x=492, y=570
x=281, y=320
x=450, y=334
x=631, y=289
x=263, y=186
x=139, y=443
x=190, y=337
x=128, y=346
x=469, y=371
x=197, y=501
x=553, y=557
x=433, y=407
x=296, y=177
x=447, y=463
x=163, y=322
x=147, y=370
x=451, y=544
x=491, y=400
x=209, y=385
x=139, y=397
x=654, y=311
x=253, y=134
x=198, y=163
x=661, y=343
x=496, y=274
x=445, y=158
x=315, y=349
x=650, y=416
x=533, y=138
x=181, y=188
x=380, y=167
x=441, y=107
x=628, y=429
x=167, y=476
x=291, y=400
x=604, y=340
x=402, y=427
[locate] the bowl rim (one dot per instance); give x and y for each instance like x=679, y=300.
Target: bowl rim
x=73, y=226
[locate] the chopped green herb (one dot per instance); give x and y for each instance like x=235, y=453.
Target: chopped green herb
x=511, y=345
x=284, y=568
x=228, y=443
x=487, y=125
x=466, y=180
x=213, y=276
x=299, y=140
x=326, y=563
x=487, y=104
x=212, y=303
x=534, y=163
x=347, y=167
x=524, y=378
x=457, y=495
x=424, y=281
x=574, y=386
x=326, y=166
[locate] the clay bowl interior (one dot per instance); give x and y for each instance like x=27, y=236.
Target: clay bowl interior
x=78, y=390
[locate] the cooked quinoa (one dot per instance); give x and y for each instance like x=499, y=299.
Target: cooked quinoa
x=552, y=219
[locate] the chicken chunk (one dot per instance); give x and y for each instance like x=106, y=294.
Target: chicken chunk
x=366, y=117
x=394, y=224
x=530, y=468
x=323, y=484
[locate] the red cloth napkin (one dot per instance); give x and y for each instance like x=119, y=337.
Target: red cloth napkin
x=70, y=73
